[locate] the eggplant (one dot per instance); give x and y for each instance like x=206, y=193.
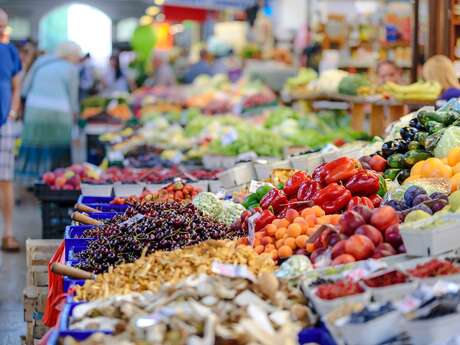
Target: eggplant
x=400, y=145
x=415, y=123
x=403, y=174
x=388, y=148
x=408, y=133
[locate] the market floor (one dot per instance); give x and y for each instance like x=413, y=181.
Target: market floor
x=27, y=224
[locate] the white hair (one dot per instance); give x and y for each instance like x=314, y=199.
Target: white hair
x=69, y=49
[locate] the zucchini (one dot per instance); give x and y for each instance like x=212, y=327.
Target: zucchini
x=415, y=145
x=396, y=160
x=412, y=157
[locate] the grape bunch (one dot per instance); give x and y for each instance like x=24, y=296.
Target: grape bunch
x=164, y=226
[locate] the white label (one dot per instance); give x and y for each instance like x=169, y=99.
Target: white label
x=232, y=271
x=254, y=185
x=134, y=219
x=252, y=228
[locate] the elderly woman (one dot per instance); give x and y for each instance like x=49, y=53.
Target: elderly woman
x=51, y=92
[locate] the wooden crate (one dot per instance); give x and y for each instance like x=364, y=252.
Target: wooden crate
x=38, y=254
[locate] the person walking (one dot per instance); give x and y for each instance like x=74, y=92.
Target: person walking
x=51, y=107
x=10, y=85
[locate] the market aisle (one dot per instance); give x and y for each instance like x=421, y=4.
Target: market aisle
x=13, y=274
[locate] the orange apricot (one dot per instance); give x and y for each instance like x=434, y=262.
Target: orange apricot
x=280, y=233
x=279, y=243
x=308, y=211
x=269, y=248
x=270, y=229
x=300, y=220
x=291, y=214
x=319, y=212
x=259, y=249
x=294, y=230
x=290, y=241
x=283, y=223
x=301, y=241
x=274, y=254
x=311, y=220
x=285, y=252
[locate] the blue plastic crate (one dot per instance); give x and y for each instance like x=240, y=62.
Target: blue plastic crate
x=109, y=207
x=64, y=322
x=102, y=215
x=84, y=199
x=317, y=335
x=69, y=282
x=72, y=243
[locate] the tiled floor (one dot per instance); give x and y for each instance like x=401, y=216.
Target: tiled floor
x=27, y=224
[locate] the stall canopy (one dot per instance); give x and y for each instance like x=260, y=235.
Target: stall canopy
x=212, y=4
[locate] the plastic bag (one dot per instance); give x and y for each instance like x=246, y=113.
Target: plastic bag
x=56, y=293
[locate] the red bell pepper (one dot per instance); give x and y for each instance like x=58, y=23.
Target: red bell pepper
x=340, y=169
x=275, y=199
x=265, y=218
x=308, y=190
x=360, y=200
x=364, y=182
x=319, y=174
x=333, y=198
x=376, y=200
x=294, y=182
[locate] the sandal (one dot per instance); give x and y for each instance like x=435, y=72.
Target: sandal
x=9, y=244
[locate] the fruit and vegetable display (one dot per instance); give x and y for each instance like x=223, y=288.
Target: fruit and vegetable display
x=217, y=309
x=434, y=268
x=427, y=134
x=114, y=108
x=341, y=288
x=150, y=273
x=152, y=226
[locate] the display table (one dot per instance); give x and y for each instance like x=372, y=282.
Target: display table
x=382, y=111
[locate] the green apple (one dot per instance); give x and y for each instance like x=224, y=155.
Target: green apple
x=454, y=201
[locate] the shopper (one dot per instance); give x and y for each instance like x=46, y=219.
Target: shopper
x=51, y=92
x=28, y=53
x=388, y=71
x=114, y=79
x=163, y=73
x=199, y=68
x=10, y=66
x=439, y=68
x=87, y=77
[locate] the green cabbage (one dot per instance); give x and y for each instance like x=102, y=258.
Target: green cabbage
x=449, y=140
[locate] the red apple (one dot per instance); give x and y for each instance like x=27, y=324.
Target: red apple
x=360, y=247
x=60, y=181
x=384, y=217
x=59, y=171
x=349, y=221
x=343, y=259
x=291, y=214
x=49, y=178
x=370, y=232
x=385, y=249
x=68, y=187
x=364, y=211
x=338, y=249
x=392, y=236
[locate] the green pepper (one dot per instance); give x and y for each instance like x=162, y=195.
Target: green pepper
x=396, y=160
x=412, y=157
x=250, y=201
x=262, y=190
x=390, y=174
x=442, y=117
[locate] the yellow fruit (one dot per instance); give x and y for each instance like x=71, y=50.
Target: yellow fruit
x=434, y=167
x=454, y=156
x=454, y=182
x=456, y=169
x=412, y=178
x=417, y=168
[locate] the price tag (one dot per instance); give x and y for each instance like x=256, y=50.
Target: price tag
x=115, y=156
x=229, y=137
x=133, y=220
x=252, y=228
x=254, y=185
x=232, y=271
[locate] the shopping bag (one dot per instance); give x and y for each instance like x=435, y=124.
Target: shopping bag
x=56, y=295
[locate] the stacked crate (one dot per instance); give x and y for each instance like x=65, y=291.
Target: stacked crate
x=38, y=254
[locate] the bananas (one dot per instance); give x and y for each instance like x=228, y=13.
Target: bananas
x=426, y=91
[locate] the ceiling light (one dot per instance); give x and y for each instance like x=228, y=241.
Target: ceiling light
x=152, y=11
x=159, y=2
x=145, y=20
